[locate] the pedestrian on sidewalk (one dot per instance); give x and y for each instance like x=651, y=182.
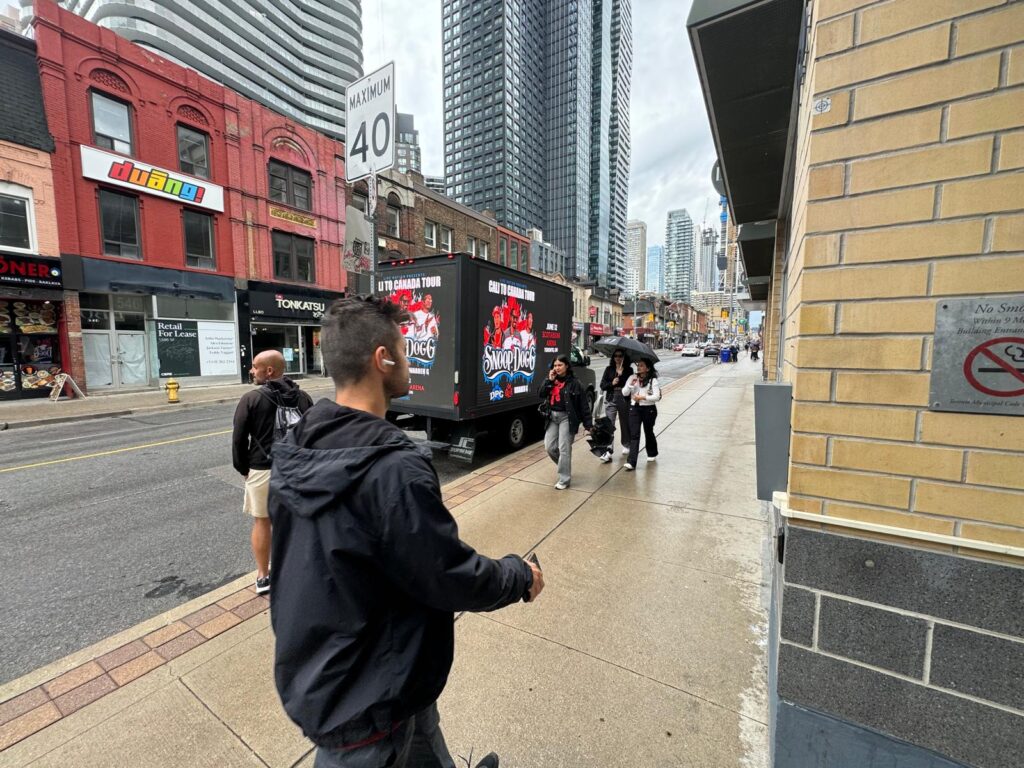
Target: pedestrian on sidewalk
x=564, y=404
x=277, y=399
x=643, y=392
x=369, y=569
x=615, y=376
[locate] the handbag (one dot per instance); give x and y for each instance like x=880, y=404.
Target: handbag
x=600, y=404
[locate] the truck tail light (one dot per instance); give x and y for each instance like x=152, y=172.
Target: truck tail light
x=455, y=399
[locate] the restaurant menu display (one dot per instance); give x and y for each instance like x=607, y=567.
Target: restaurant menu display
x=33, y=324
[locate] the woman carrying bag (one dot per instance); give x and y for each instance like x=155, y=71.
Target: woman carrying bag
x=615, y=377
x=564, y=404
x=643, y=392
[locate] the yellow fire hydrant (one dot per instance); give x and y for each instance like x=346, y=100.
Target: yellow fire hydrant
x=172, y=390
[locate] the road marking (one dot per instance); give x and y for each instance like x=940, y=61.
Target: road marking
x=116, y=450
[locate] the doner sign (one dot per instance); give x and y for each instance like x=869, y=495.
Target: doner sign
x=370, y=124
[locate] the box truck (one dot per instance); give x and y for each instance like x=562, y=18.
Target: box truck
x=480, y=341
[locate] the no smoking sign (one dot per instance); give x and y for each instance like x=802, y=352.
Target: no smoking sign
x=978, y=362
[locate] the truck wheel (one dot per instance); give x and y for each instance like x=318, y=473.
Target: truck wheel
x=515, y=432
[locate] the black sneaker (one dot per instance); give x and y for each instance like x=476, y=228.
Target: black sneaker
x=263, y=585
x=490, y=761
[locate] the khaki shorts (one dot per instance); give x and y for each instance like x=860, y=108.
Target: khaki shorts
x=257, y=489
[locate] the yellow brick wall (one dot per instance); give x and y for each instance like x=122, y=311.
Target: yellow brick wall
x=908, y=190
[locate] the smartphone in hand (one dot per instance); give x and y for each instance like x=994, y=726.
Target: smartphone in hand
x=532, y=557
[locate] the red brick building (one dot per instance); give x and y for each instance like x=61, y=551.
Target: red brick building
x=196, y=224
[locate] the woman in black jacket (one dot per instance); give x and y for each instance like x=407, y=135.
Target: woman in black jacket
x=614, y=379
x=566, y=408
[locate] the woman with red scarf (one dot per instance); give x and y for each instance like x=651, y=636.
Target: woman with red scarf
x=566, y=408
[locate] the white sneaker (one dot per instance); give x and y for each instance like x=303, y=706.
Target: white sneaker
x=560, y=486
x=629, y=467
x=651, y=459
x=625, y=451
x=606, y=457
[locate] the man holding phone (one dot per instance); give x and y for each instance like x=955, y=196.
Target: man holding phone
x=369, y=569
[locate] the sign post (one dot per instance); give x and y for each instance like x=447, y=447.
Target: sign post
x=370, y=140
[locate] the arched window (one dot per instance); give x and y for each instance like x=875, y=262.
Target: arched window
x=392, y=217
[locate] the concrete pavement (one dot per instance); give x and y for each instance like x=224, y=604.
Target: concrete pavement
x=646, y=648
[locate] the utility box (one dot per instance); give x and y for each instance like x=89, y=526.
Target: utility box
x=773, y=406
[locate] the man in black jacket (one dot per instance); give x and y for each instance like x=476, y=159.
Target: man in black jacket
x=368, y=565
x=252, y=440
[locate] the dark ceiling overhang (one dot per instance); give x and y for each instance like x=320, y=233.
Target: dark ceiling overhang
x=757, y=249
x=747, y=53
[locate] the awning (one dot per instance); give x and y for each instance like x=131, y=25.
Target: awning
x=757, y=249
x=747, y=52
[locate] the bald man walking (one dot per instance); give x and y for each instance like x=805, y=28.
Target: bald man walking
x=251, y=443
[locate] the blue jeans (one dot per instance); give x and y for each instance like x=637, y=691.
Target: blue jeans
x=414, y=743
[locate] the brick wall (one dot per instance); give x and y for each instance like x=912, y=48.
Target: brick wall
x=908, y=190
x=30, y=168
x=76, y=56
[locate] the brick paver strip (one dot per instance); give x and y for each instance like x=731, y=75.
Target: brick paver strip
x=24, y=726
x=251, y=608
x=231, y=602
x=166, y=634
x=121, y=655
x=84, y=694
x=19, y=705
x=203, y=616
x=180, y=645
x=220, y=624
x=71, y=680
x=136, y=668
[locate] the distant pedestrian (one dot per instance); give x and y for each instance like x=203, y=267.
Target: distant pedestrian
x=612, y=382
x=260, y=418
x=369, y=570
x=643, y=392
x=565, y=405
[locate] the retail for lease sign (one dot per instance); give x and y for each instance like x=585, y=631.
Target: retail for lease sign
x=126, y=172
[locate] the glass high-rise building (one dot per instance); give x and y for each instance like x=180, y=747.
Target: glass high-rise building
x=706, y=264
x=620, y=151
x=655, y=280
x=523, y=112
x=407, y=145
x=679, y=256
x=296, y=58
x=635, y=272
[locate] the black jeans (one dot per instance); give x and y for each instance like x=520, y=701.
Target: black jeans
x=415, y=743
x=642, y=416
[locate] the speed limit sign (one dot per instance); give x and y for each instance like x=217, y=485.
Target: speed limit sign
x=370, y=124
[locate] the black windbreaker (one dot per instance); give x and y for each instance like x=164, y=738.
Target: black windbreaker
x=252, y=437
x=368, y=571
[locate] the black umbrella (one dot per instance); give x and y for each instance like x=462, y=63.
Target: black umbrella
x=636, y=350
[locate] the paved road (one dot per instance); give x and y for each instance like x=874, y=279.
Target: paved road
x=112, y=521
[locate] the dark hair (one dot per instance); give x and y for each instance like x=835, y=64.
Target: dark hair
x=652, y=372
x=352, y=329
x=568, y=364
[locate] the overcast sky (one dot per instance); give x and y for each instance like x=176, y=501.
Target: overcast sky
x=672, y=148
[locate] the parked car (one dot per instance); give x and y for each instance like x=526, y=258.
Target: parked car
x=690, y=350
x=677, y=347
x=712, y=350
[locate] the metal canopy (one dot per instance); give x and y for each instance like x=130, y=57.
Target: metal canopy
x=757, y=249
x=747, y=53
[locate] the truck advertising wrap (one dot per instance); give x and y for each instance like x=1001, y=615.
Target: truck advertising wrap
x=428, y=295
x=520, y=333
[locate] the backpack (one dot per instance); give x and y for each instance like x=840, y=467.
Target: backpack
x=285, y=417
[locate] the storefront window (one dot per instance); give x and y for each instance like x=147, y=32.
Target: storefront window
x=280, y=337
x=119, y=216
x=95, y=311
x=194, y=309
x=199, y=240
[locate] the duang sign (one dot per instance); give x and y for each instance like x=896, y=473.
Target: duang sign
x=151, y=180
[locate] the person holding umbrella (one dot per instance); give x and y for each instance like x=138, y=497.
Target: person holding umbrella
x=643, y=393
x=612, y=382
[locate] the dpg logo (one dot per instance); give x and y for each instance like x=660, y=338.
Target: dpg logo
x=513, y=364
x=421, y=351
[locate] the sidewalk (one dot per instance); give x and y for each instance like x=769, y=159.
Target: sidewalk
x=37, y=412
x=647, y=647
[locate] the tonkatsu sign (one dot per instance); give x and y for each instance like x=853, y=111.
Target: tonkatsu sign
x=122, y=171
x=978, y=361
